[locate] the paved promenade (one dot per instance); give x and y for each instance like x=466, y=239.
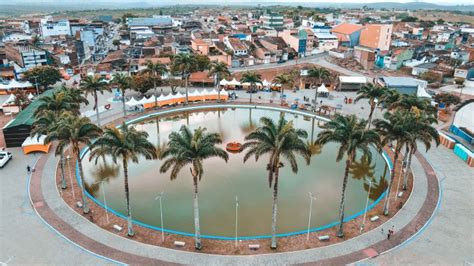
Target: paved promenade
x=410, y=219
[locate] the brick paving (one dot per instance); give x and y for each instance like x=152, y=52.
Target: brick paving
x=145, y=254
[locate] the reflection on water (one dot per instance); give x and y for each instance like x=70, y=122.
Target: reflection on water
x=378, y=185
x=222, y=182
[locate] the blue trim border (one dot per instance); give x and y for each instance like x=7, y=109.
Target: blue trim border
x=165, y=112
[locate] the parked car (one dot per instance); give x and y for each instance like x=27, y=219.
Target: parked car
x=5, y=156
x=281, y=61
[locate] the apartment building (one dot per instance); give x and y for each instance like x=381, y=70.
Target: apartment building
x=50, y=27
x=272, y=20
x=301, y=40
x=376, y=36
x=348, y=34
x=325, y=41
x=26, y=56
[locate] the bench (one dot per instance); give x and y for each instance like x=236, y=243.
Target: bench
x=400, y=194
x=79, y=204
x=374, y=218
x=323, y=238
x=179, y=243
x=117, y=227
x=254, y=246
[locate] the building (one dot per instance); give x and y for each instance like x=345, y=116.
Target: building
x=463, y=123
x=236, y=46
x=301, y=40
x=325, y=41
x=272, y=20
x=348, y=34
x=49, y=27
x=350, y=83
x=164, y=21
x=403, y=85
x=27, y=56
x=365, y=56
x=376, y=36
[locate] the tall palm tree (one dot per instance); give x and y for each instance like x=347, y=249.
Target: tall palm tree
x=352, y=137
x=219, y=70
x=253, y=78
x=412, y=102
x=318, y=75
x=156, y=70
x=75, y=131
x=191, y=148
x=126, y=144
x=58, y=102
x=185, y=64
x=124, y=82
x=93, y=85
x=281, y=140
x=389, y=98
x=394, y=127
x=285, y=80
x=373, y=93
x=421, y=131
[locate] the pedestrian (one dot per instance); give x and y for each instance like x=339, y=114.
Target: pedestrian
x=28, y=169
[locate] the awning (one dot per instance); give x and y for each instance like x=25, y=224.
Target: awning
x=35, y=143
x=233, y=82
x=323, y=89
x=223, y=82
x=132, y=102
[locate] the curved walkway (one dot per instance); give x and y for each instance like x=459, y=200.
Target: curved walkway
x=411, y=218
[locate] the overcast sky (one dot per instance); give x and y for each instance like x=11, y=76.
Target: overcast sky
x=232, y=1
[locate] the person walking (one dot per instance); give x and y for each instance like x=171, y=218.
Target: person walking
x=28, y=169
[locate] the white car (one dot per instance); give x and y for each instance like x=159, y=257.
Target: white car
x=5, y=156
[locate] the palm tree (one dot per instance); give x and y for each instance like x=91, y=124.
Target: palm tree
x=394, y=127
x=219, y=71
x=58, y=102
x=126, y=144
x=93, y=85
x=285, y=80
x=421, y=131
x=124, y=82
x=362, y=168
x=253, y=78
x=318, y=75
x=156, y=69
x=281, y=141
x=389, y=98
x=191, y=148
x=352, y=136
x=75, y=95
x=373, y=93
x=75, y=131
x=411, y=102
x=185, y=64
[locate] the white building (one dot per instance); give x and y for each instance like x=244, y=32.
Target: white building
x=50, y=27
x=325, y=41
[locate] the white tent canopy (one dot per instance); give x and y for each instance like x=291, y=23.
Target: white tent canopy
x=421, y=92
x=15, y=85
x=265, y=83
x=223, y=82
x=233, y=82
x=323, y=89
x=30, y=96
x=34, y=140
x=132, y=102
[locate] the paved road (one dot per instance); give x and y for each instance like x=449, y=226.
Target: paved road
x=24, y=239
x=449, y=239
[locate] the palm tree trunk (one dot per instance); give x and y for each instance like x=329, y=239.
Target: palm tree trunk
x=85, y=205
x=61, y=164
x=315, y=97
x=274, y=206
x=127, y=197
x=218, y=90
x=123, y=103
x=97, y=108
x=407, y=168
x=392, y=178
x=251, y=90
x=340, y=231
x=186, y=84
x=154, y=89
x=372, y=108
x=197, y=228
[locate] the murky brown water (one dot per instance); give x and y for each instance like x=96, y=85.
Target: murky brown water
x=222, y=182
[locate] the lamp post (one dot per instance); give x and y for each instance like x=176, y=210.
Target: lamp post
x=68, y=159
x=311, y=198
x=105, y=201
x=161, y=216
x=236, y=218
x=362, y=226
x=36, y=84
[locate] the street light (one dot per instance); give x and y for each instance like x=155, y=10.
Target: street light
x=236, y=218
x=311, y=198
x=161, y=216
x=36, y=84
x=105, y=201
x=68, y=159
x=362, y=226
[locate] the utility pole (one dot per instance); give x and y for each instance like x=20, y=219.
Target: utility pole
x=236, y=218
x=362, y=226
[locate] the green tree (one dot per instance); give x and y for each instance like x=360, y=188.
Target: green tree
x=191, y=148
x=219, y=70
x=318, y=75
x=280, y=140
x=75, y=131
x=157, y=70
x=253, y=78
x=126, y=144
x=411, y=102
x=352, y=136
x=447, y=98
x=185, y=64
x=93, y=85
x=142, y=82
x=123, y=82
x=202, y=62
x=58, y=102
x=374, y=94
x=285, y=80
x=116, y=43
x=394, y=127
x=21, y=98
x=44, y=76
